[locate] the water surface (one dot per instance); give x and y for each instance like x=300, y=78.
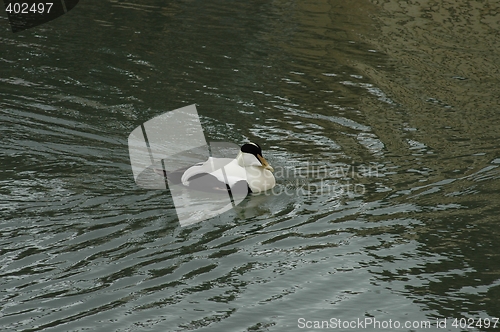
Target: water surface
x=398, y=99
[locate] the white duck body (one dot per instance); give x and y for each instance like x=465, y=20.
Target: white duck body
x=253, y=169
x=258, y=176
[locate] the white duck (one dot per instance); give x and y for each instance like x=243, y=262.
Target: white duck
x=249, y=169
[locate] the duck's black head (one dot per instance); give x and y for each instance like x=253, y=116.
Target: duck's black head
x=255, y=150
x=252, y=148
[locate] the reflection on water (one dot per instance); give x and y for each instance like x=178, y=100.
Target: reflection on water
x=406, y=89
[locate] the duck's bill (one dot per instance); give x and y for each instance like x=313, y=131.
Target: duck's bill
x=265, y=163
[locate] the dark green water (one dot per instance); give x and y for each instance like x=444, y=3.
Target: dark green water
x=402, y=96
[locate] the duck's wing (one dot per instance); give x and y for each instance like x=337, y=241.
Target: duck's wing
x=213, y=167
x=195, y=177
